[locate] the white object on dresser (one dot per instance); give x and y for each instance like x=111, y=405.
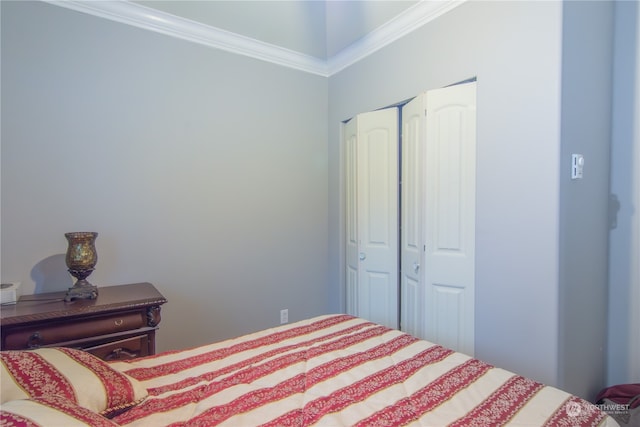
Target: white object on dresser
x=9, y=292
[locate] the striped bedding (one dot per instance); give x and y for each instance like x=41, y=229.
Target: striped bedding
x=339, y=370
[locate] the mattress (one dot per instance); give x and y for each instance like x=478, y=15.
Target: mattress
x=340, y=370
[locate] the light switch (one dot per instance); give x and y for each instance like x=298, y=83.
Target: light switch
x=577, y=165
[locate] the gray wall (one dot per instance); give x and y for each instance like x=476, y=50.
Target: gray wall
x=624, y=259
x=584, y=227
x=204, y=172
x=518, y=68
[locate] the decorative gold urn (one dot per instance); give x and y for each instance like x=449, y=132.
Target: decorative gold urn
x=81, y=259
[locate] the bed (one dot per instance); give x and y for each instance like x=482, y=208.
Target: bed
x=332, y=370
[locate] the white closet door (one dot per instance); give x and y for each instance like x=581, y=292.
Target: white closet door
x=411, y=240
x=372, y=224
x=350, y=138
x=449, y=266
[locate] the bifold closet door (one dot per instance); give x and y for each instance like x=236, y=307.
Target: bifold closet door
x=412, y=217
x=371, y=178
x=438, y=216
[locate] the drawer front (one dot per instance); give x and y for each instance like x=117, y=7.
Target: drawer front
x=50, y=334
x=129, y=348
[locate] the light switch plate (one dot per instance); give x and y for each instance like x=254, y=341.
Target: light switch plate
x=577, y=165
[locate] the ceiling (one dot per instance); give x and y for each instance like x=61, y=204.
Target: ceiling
x=318, y=28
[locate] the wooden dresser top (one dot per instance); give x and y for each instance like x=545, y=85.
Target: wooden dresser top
x=30, y=308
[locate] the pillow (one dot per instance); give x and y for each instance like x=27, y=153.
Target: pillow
x=50, y=411
x=73, y=374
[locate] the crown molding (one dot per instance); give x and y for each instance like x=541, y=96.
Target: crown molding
x=155, y=20
x=150, y=19
x=413, y=18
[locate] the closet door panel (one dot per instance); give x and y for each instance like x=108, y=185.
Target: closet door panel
x=350, y=138
x=411, y=240
x=377, y=152
x=371, y=179
x=450, y=216
x=449, y=315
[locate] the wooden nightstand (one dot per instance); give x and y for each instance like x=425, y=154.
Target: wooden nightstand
x=120, y=324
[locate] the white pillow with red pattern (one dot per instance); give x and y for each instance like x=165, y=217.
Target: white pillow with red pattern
x=75, y=375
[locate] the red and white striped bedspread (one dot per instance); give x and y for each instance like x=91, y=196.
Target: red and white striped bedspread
x=338, y=370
